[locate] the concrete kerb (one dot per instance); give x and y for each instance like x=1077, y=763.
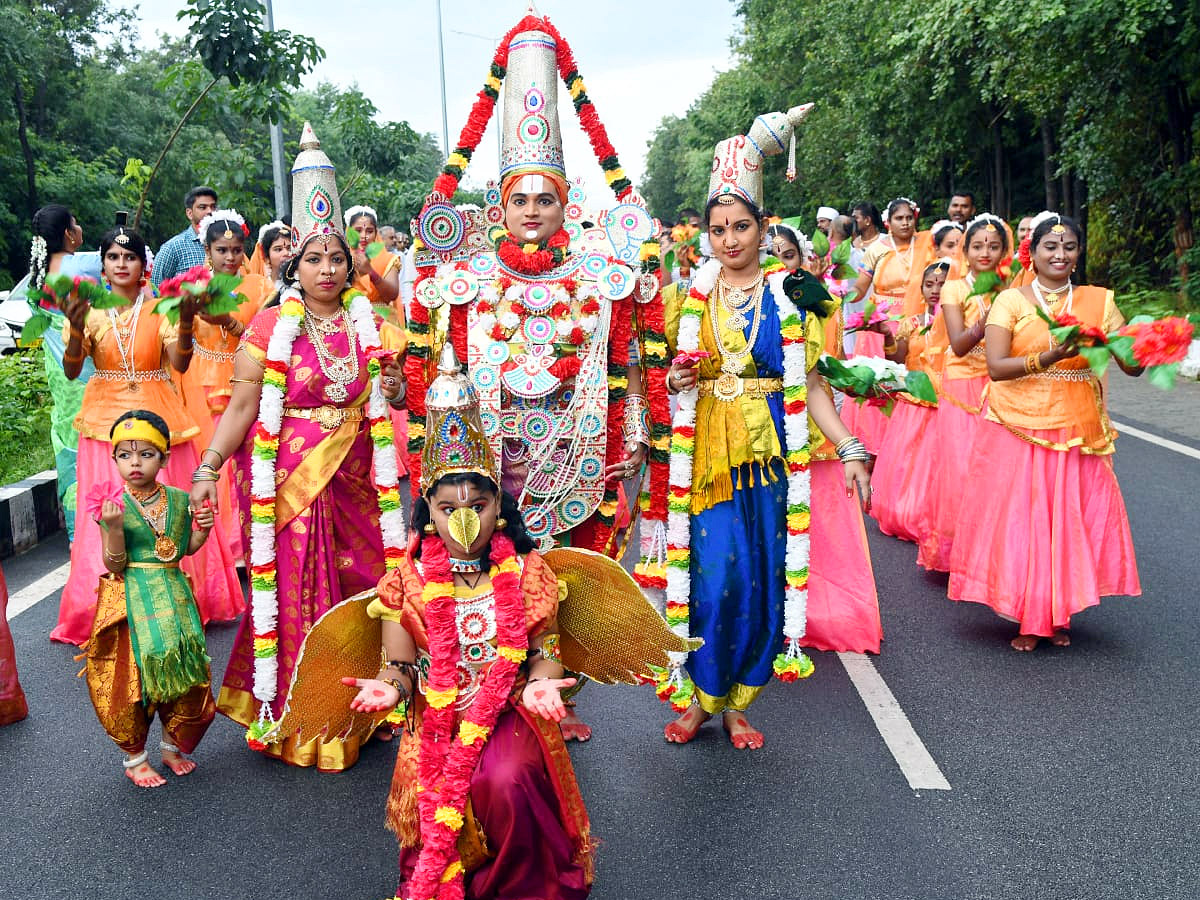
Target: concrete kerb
x=29, y=512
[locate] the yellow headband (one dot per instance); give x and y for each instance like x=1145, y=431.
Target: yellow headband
x=139, y=430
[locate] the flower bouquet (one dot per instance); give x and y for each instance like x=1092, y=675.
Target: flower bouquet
x=215, y=293
x=1157, y=345
x=870, y=379
x=54, y=293
x=685, y=250
x=870, y=314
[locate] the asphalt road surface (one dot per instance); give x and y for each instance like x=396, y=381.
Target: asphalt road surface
x=1072, y=773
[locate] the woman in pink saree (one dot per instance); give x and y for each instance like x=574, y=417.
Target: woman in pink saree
x=328, y=545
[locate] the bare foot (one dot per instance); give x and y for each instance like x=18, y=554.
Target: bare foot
x=573, y=728
x=741, y=734
x=1061, y=638
x=177, y=762
x=686, y=726
x=1025, y=642
x=143, y=774
x=384, y=733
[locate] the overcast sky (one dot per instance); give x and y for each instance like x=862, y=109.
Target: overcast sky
x=639, y=60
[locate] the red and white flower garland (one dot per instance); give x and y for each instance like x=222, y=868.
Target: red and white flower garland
x=448, y=757
x=674, y=686
x=264, y=593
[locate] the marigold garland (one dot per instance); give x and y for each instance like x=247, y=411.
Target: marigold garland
x=447, y=759
x=673, y=684
x=264, y=595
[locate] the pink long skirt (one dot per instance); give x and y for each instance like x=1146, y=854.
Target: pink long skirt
x=13, y=707
x=906, y=471
x=866, y=422
x=956, y=430
x=227, y=510
x=214, y=581
x=843, y=607
x=1044, y=536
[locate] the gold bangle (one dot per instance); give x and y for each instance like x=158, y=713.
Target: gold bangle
x=233, y=380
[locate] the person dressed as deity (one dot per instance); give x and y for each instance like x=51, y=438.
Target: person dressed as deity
x=146, y=655
x=560, y=326
x=751, y=409
x=470, y=640
x=314, y=463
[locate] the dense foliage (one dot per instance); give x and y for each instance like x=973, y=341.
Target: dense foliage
x=24, y=416
x=1089, y=107
x=85, y=113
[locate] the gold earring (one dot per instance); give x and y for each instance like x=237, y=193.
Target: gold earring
x=430, y=528
x=502, y=523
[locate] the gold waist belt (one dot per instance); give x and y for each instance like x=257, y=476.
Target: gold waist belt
x=1083, y=374
x=728, y=387
x=326, y=416
x=152, y=565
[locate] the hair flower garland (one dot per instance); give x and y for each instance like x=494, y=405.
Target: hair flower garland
x=673, y=685
x=264, y=594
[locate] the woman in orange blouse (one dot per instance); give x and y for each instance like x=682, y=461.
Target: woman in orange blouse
x=963, y=387
x=1044, y=533
x=379, y=278
x=131, y=348
x=206, y=386
x=887, y=266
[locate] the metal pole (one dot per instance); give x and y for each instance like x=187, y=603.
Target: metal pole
x=442, y=71
x=282, y=201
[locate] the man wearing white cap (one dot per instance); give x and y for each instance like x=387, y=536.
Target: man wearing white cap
x=825, y=217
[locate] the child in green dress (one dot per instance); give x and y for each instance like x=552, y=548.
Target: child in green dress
x=147, y=653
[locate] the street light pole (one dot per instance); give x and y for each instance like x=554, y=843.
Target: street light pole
x=442, y=70
x=282, y=204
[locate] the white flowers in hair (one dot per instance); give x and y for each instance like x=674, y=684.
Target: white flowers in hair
x=222, y=215
x=37, y=260
x=986, y=217
x=911, y=204
x=355, y=211
x=262, y=232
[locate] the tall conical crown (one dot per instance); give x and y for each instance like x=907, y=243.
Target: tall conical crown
x=316, y=208
x=531, y=139
x=738, y=161
x=454, y=437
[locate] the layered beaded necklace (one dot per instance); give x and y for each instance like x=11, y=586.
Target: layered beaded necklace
x=341, y=371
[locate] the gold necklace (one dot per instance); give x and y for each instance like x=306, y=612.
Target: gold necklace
x=155, y=516
x=737, y=300
x=732, y=363
x=339, y=370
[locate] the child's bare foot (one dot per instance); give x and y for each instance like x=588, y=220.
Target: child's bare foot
x=574, y=728
x=1025, y=642
x=176, y=761
x=142, y=773
x=1061, y=638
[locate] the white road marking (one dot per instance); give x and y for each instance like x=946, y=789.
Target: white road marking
x=897, y=732
x=33, y=594
x=1155, y=439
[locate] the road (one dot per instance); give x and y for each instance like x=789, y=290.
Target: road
x=1072, y=773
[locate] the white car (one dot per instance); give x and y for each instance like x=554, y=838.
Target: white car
x=13, y=315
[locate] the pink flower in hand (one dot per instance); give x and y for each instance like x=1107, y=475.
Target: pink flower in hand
x=105, y=490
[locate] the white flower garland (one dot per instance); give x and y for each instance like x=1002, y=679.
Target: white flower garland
x=264, y=595
x=675, y=686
